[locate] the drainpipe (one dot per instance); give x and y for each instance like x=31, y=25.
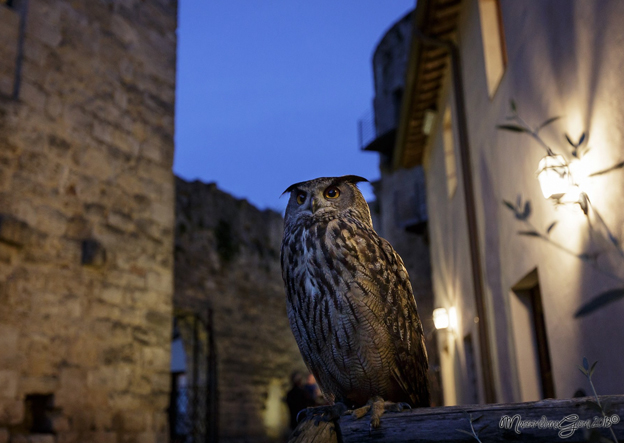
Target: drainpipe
x=471, y=213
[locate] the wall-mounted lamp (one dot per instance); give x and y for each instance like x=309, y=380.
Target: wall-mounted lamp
x=440, y=318
x=554, y=176
x=445, y=319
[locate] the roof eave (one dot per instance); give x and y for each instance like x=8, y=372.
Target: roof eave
x=426, y=69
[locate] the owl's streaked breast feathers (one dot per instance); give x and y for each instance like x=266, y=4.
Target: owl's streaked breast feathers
x=350, y=302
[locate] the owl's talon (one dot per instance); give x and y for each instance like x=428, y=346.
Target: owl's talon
x=360, y=412
x=374, y=423
x=321, y=413
x=304, y=412
x=376, y=406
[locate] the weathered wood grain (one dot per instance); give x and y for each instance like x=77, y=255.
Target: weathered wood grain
x=442, y=424
x=308, y=432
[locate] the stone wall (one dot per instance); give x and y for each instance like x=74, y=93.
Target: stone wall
x=86, y=223
x=9, y=36
x=227, y=259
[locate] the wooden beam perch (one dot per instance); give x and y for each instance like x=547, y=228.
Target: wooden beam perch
x=443, y=424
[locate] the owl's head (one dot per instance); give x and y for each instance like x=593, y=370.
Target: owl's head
x=327, y=197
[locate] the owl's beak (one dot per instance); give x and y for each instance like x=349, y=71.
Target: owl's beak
x=315, y=205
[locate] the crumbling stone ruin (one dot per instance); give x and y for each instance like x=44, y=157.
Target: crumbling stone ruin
x=227, y=260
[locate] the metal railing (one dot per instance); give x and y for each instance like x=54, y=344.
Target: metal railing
x=193, y=401
x=187, y=423
x=366, y=129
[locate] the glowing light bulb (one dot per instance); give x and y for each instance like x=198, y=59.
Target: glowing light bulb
x=554, y=176
x=441, y=318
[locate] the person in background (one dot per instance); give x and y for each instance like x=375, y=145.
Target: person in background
x=299, y=397
x=313, y=391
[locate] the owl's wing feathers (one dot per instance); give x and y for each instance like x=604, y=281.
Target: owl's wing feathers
x=381, y=271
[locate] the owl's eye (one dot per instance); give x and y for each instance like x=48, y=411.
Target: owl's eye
x=332, y=192
x=301, y=197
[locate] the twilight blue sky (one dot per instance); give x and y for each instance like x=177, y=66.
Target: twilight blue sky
x=269, y=92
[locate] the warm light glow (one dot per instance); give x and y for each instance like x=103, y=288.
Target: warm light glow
x=445, y=319
x=554, y=176
x=573, y=195
x=440, y=318
x=579, y=171
x=453, y=324
x=275, y=412
x=575, y=169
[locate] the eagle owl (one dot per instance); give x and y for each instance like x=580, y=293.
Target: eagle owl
x=349, y=298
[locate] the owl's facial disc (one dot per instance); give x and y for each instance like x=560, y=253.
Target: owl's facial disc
x=325, y=198
x=324, y=201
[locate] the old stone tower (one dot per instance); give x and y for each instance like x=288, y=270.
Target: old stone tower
x=86, y=219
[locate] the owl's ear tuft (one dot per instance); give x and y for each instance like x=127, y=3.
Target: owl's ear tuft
x=290, y=188
x=353, y=179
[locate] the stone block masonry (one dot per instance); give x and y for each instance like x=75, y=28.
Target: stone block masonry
x=9, y=35
x=86, y=221
x=227, y=259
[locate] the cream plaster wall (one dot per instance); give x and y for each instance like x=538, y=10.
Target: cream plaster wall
x=565, y=58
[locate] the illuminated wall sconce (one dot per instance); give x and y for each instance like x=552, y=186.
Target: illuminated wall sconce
x=554, y=176
x=441, y=318
x=445, y=319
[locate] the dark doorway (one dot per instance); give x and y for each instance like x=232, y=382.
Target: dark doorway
x=531, y=339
